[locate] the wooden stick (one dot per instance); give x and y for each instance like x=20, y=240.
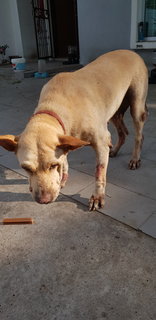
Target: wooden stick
x=18, y=221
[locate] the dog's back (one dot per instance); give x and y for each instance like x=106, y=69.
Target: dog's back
x=102, y=84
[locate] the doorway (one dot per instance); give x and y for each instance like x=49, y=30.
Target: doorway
x=64, y=29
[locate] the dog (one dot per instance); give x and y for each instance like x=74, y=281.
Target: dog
x=74, y=110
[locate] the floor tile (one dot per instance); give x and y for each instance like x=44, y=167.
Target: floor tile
x=141, y=180
x=149, y=227
x=121, y=204
x=149, y=148
x=9, y=160
x=76, y=182
x=83, y=160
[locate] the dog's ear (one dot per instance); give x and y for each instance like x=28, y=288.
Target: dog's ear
x=9, y=142
x=71, y=143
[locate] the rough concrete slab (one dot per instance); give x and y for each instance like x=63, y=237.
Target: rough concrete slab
x=71, y=264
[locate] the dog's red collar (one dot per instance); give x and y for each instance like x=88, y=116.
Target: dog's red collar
x=52, y=114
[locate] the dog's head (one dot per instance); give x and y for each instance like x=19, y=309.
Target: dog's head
x=43, y=156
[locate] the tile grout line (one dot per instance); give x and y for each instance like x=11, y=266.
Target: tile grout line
x=129, y=190
x=109, y=216
x=80, y=189
x=14, y=171
x=146, y=220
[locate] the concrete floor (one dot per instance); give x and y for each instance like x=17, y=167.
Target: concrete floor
x=72, y=264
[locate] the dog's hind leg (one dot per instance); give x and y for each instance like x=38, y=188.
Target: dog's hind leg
x=122, y=131
x=139, y=115
x=118, y=122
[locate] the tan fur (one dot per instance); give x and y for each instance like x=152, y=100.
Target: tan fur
x=85, y=100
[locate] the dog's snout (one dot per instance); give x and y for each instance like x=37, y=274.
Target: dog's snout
x=44, y=198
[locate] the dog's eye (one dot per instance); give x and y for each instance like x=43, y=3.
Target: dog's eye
x=28, y=170
x=53, y=166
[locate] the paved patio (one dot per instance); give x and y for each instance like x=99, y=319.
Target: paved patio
x=72, y=264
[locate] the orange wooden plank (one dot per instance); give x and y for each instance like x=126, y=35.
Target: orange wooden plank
x=18, y=221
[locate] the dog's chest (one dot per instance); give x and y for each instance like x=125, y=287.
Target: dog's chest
x=86, y=134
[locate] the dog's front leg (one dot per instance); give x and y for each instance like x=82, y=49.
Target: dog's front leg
x=97, y=199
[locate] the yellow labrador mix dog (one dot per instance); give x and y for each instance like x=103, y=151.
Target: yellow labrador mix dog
x=73, y=111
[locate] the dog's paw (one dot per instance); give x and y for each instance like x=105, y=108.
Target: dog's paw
x=134, y=164
x=96, y=202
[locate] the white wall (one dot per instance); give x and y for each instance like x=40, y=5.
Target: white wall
x=9, y=27
x=17, y=28
x=27, y=28
x=104, y=25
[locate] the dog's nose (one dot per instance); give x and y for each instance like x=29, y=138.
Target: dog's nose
x=44, y=198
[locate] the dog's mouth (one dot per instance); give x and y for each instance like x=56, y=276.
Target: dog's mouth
x=41, y=201
x=44, y=197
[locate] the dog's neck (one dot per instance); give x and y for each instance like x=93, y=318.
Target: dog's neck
x=52, y=114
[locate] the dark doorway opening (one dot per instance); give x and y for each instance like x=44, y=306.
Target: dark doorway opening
x=64, y=29
x=42, y=28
